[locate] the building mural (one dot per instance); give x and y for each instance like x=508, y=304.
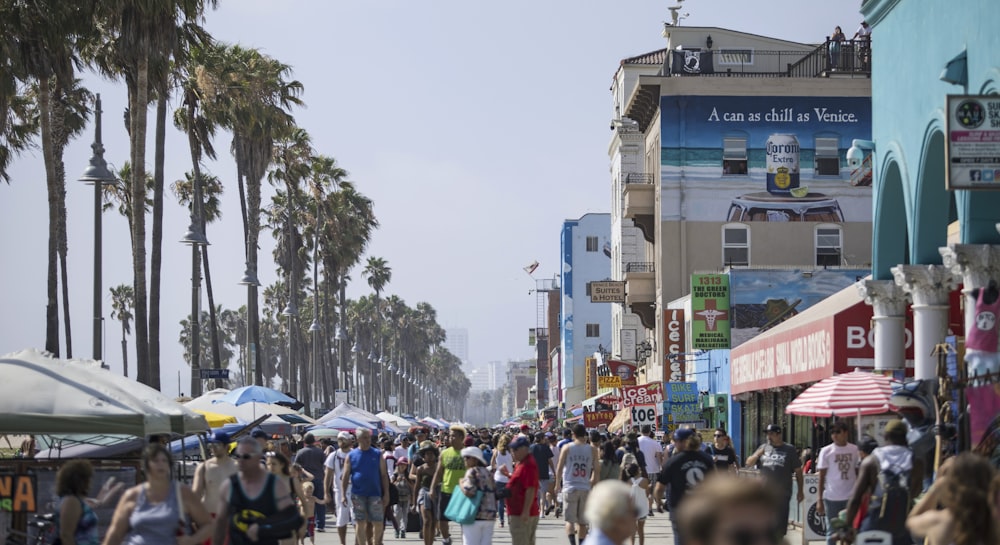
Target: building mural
x=763, y=158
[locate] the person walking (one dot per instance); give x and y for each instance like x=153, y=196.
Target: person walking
x=151, y=513
x=524, y=487
x=312, y=459
x=404, y=491
x=838, y=471
x=334, y=493
x=687, y=468
x=576, y=474
x=450, y=470
x=542, y=452
x=652, y=451
x=962, y=491
x=503, y=468
x=210, y=474
x=778, y=463
x=478, y=479
x=255, y=506
x=369, y=484
x=611, y=512
x=610, y=469
x=76, y=522
x=892, y=475
x=422, y=473
x=277, y=464
x=722, y=453
x=632, y=475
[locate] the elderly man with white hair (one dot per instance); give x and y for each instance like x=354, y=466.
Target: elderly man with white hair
x=611, y=513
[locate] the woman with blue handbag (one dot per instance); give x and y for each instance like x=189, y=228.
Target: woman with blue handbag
x=476, y=509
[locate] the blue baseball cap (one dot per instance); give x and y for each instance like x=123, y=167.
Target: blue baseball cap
x=519, y=441
x=219, y=437
x=680, y=434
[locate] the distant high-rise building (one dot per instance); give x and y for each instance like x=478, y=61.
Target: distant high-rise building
x=457, y=342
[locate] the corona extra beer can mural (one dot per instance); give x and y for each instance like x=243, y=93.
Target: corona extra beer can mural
x=782, y=162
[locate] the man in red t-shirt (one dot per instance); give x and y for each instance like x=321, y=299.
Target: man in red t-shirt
x=523, y=488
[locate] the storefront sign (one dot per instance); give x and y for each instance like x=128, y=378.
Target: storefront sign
x=18, y=493
x=673, y=345
x=644, y=415
x=626, y=371
x=709, y=311
x=681, y=402
x=815, y=527
x=598, y=418
x=607, y=292
x=651, y=393
x=627, y=341
x=609, y=382
x=973, y=154
x=590, y=370
x=795, y=356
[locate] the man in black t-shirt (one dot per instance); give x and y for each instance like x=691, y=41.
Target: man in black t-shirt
x=722, y=452
x=543, y=457
x=778, y=462
x=682, y=472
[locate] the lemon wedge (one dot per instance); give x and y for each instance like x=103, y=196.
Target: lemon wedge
x=800, y=191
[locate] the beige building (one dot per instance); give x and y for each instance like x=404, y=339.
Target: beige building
x=729, y=150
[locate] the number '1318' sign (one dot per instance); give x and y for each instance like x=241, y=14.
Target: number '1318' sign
x=643, y=415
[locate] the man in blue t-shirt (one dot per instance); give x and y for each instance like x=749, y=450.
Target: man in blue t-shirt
x=366, y=476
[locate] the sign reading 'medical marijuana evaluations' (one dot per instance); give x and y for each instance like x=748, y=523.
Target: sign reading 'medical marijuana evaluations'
x=709, y=311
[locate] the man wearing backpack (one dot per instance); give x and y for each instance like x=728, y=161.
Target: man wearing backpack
x=630, y=454
x=892, y=475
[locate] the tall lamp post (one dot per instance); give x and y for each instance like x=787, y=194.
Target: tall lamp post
x=195, y=237
x=98, y=175
x=251, y=282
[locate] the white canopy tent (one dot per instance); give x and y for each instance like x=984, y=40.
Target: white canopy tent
x=352, y=412
x=397, y=421
x=43, y=395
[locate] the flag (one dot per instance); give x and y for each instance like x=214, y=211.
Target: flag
x=531, y=268
x=691, y=62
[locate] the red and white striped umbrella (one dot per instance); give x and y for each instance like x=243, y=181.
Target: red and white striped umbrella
x=855, y=393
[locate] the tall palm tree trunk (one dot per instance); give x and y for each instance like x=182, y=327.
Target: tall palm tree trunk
x=63, y=247
x=213, y=319
x=156, y=257
x=52, y=277
x=151, y=377
x=124, y=349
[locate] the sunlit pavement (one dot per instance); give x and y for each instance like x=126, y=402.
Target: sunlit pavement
x=551, y=531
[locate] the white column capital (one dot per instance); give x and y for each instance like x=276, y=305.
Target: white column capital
x=976, y=263
x=926, y=284
x=885, y=296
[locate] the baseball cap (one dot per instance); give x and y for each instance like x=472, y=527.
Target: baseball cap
x=894, y=427
x=520, y=441
x=427, y=445
x=772, y=428
x=219, y=437
x=344, y=435
x=524, y=427
x=403, y=461
x=681, y=434
x=259, y=434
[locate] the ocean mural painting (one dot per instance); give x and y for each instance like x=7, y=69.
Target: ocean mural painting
x=756, y=158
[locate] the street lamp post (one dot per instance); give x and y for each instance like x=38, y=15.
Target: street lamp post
x=98, y=175
x=195, y=237
x=251, y=282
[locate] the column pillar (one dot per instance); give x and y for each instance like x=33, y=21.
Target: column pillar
x=977, y=264
x=889, y=305
x=928, y=287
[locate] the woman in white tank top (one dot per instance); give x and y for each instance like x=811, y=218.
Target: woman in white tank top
x=503, y=465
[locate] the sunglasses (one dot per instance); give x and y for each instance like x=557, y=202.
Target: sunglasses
x=747, y=536
x=246, y=456
x=719, y=435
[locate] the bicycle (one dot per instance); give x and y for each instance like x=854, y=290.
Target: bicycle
x=40, y=528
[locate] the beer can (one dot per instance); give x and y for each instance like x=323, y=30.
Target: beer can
x=782, y=154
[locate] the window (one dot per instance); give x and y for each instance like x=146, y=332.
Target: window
x=735, y=245
x=829, y=245
x=734, y=156
x=593, y=330
x=591, y=244
x=828, y=157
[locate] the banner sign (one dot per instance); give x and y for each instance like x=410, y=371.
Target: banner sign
x=644, y=415
x=624, y=370
x=681, y=402
x=597, y=418
x=590, y=370
x=646, y=394
x=709, y=311
x=607, y=292
x=673, y=345
x=609, y=382
x=18, y=493
x=973, y=152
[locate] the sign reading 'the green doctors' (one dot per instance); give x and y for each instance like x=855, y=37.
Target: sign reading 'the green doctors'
x=709, y=311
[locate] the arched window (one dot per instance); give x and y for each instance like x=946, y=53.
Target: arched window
x=829, y=245
x=735, y=245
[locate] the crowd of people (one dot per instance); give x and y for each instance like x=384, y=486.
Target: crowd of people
x=604, y=487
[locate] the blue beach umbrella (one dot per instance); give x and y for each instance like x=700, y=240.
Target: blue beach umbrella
x=258, y=394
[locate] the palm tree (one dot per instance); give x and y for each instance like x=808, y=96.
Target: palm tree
x=121, y=310
x=379, y=274
x=18, y=124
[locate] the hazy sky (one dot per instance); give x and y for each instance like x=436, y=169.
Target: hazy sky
x=475, y=127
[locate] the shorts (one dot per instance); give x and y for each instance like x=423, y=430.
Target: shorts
x=442, y=506
x=543, y=489
x=573, y=505
x=368, y=509
x=343, y=511
x=311, y=527
x=425, y=500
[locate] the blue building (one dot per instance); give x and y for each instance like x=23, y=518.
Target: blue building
x=584, y=326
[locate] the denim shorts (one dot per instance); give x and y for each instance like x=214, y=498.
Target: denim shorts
x=367, y=508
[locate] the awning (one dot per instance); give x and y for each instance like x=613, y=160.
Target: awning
x=832, y=336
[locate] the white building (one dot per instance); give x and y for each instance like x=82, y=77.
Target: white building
x=583, y=326
x=457, y=342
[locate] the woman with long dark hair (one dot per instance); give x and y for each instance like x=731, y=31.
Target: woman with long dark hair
x=157, y=511
x=77, y=522
x=962, y=491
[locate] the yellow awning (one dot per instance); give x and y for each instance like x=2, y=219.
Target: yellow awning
x=216, y=420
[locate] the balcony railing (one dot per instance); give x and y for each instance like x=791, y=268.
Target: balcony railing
x=851, y=57
x=637, y=178
x=640, y=267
